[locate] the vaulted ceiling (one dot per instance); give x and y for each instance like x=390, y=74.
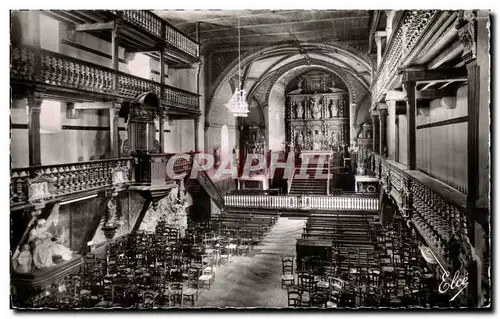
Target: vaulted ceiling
x=263, y=27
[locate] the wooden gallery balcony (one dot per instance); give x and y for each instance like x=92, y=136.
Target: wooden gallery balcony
x=138, y=31
x=56, y=76
x=436, y=210
x=53, y=183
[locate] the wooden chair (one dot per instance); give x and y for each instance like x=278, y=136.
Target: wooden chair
x=149, y=298
x=293, y=296
x=208, y=272
x=175, y=294
x=306, y=281
x=192, y=286
x=288, y=277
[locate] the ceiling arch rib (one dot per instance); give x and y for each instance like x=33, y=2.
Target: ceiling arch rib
x=233, y=67
x=271, y=77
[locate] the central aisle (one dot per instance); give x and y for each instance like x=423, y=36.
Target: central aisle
x=255, y=280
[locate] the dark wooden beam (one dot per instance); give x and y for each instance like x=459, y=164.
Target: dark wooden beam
x=434, y=75
x=435, y=94
x=253, y=26
x=34, y=141
x=449, y=53
x=400, y=107
x=98, y=26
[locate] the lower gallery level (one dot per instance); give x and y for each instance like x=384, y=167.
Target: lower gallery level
x=161, y=161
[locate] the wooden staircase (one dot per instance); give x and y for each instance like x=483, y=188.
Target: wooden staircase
x=312, y=185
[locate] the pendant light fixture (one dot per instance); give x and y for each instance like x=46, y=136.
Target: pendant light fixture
x=238, y=103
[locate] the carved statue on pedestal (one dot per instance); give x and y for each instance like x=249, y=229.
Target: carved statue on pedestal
x=48, y=249
x=300, y=140
x=316, y=108
x=334, y=141
x=333, y=88
x=299, y=111
x=298, y=90
x=317, y=141
x=334, y=111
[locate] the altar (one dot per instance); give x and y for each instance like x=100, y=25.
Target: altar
x=317, y=114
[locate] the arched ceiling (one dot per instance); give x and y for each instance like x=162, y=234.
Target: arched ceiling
x=263, y=66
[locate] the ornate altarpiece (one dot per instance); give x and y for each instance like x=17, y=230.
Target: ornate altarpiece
x=317, y=114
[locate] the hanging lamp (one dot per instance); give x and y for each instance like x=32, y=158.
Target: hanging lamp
x=238, y=103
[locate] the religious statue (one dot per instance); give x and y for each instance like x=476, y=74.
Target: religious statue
x=111, y=207
x=317, y=141
x=334, y=140
x=298, y=90
x=316, y=108
x=333, y=88
x=334, y=111
x=47, y=248
x=217, y=156
x=236, y=152
x=23, y=263
x=299, y=111
x=300, y=140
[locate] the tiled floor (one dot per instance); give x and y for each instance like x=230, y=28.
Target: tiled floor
x=255, y=280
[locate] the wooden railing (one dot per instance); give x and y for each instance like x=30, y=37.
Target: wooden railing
x=70, y=73
x=348, y=202
x=67, y=179
x=209, y=187
x=412, y=25
x=153, y=24
x=437, y=210
x=182, y=42
x=145, y=19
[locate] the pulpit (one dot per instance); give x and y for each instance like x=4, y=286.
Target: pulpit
x=151, y=178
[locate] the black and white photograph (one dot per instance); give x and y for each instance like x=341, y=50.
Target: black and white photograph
x=291, y=159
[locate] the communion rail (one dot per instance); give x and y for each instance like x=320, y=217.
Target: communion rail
x=347, y=202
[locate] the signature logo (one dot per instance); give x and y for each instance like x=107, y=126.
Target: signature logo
x=458, y=283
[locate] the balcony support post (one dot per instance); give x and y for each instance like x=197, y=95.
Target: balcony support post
x=411, y=112
x=34, y=108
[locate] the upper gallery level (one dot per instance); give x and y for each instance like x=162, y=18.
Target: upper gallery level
x=88, y=56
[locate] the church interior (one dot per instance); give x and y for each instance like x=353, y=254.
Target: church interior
x=171, y=159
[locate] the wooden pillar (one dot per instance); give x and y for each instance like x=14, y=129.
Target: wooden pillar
x=376, y=132
x=34, y=108
x=114, y=140
x=411, y=112
x=161, y=119
x=383, y=129
x=396, y=140
x=115, y=43
x=196, y=132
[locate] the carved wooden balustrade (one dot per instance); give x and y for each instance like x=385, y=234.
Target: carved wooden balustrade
x=160, y=28
x=67, y=179
x=436, y=210
x=145, y=19
x=342, y=202
x=64, y=72
x=412, y=25
x=181, y=41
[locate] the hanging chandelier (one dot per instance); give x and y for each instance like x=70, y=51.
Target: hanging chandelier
x=238, y=103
